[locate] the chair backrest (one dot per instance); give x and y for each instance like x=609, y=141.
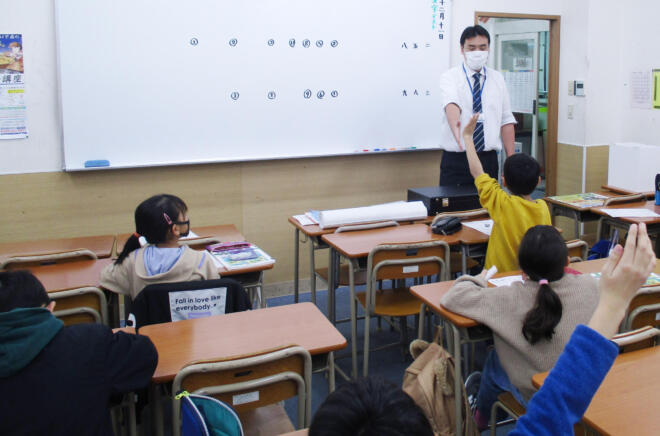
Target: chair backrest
x=199, y=243
x=644, y=337
x=354, y=227
x=577, y=250
x=474, y=213
x=27, y=260
x=624, y=199
x=249, y=382
x=405, y=261
x=81, y=305
x=165, y=302
x=643, y=310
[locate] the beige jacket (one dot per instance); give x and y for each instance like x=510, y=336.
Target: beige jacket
x=130, y=277
x=503, y=309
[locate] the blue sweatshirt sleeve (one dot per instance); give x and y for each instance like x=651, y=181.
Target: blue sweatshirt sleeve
x=570, y=386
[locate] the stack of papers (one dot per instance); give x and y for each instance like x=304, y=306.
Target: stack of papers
x=506, y=281
x=631, y=213
x=483, y=226
x=248, y=256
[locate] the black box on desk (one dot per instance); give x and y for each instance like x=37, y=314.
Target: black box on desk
x=446, y=198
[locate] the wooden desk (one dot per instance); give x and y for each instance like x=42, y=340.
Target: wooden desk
x=578, y=213
x=70, y=275
x=314, y=233
x=626, y=402
x=179, y=343
x=100, y=245
x=623, y=191
x=237, y=334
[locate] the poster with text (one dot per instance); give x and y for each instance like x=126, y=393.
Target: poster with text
x=12, y=87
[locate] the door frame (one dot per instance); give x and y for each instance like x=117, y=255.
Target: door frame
x=553, y=90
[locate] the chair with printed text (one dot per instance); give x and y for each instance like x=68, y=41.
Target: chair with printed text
x=165, y=302
x=396, y=262
x=254, y=385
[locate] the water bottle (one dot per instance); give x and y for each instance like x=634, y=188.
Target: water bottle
x=657, y=189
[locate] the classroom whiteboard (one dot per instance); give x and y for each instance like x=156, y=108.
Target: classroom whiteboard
x=162, y=82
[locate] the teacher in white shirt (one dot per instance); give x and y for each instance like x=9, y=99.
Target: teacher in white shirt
x=467, y=89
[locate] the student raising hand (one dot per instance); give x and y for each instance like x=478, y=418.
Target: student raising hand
x=476, y=168
x=625, y=270
x=468, y=130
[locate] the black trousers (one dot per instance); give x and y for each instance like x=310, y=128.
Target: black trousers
x=454, y=168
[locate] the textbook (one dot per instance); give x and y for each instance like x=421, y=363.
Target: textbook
x=588, y=199
x=240, y=255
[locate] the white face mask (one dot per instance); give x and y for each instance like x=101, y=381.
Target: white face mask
x=476, y=59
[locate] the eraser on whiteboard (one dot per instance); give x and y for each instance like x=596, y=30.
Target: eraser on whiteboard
x=97, y=163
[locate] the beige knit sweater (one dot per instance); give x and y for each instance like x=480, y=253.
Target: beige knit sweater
x=503, y=309
x=130, y=277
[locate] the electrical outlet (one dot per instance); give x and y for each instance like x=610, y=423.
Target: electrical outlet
x=570, y=111
x=571, y=87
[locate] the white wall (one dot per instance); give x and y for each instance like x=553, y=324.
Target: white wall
x=639, y=51
x=42, y=150
x=601, y=42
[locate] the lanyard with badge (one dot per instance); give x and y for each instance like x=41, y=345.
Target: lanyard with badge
x=481, y=91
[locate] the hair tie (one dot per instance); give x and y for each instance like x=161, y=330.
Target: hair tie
x=167, y=218
x=543, y=282
x=136, y=234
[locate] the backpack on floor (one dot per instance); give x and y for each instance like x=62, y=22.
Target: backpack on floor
x=429, y=381
x=207, y=416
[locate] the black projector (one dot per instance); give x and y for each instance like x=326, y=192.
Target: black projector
x=439, y=199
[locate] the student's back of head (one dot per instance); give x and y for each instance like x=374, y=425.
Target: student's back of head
x=154, y=218
x=521, y=173
x=542, y=256
x=369, y=407
x=20, y=289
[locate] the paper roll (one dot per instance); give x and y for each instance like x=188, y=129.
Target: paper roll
x=398, y=211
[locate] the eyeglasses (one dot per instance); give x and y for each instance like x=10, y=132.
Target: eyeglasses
x=182, y=223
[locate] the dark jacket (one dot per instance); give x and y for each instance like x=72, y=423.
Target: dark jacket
x=63, y=386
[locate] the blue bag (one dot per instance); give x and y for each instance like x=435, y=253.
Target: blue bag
x=207, y=416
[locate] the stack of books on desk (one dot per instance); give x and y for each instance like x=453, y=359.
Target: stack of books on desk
x=239, y=255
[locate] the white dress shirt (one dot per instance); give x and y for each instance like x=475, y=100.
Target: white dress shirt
x=495, y=105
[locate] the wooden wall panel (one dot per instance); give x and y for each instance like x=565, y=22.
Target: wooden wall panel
x=257, y=197
x=596, y=170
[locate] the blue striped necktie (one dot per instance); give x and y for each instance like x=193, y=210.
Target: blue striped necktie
x=478, y=135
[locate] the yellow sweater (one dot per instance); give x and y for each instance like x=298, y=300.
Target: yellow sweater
x=512, y=216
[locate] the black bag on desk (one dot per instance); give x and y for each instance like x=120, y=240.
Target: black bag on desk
x=447, y=225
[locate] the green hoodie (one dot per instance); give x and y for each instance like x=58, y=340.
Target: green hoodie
x=24, y=333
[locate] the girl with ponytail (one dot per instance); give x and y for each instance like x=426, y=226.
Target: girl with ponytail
x=153, y=255
x=531, y=320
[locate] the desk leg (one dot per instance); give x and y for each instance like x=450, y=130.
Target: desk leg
x=156, y=410
x=576, y=217
x=296, y=255
x=422, y=314
x=458, y=388
x=312, y=269
x=464, y=255
x=331, y=372
x=331, y=284
x=351, y=284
